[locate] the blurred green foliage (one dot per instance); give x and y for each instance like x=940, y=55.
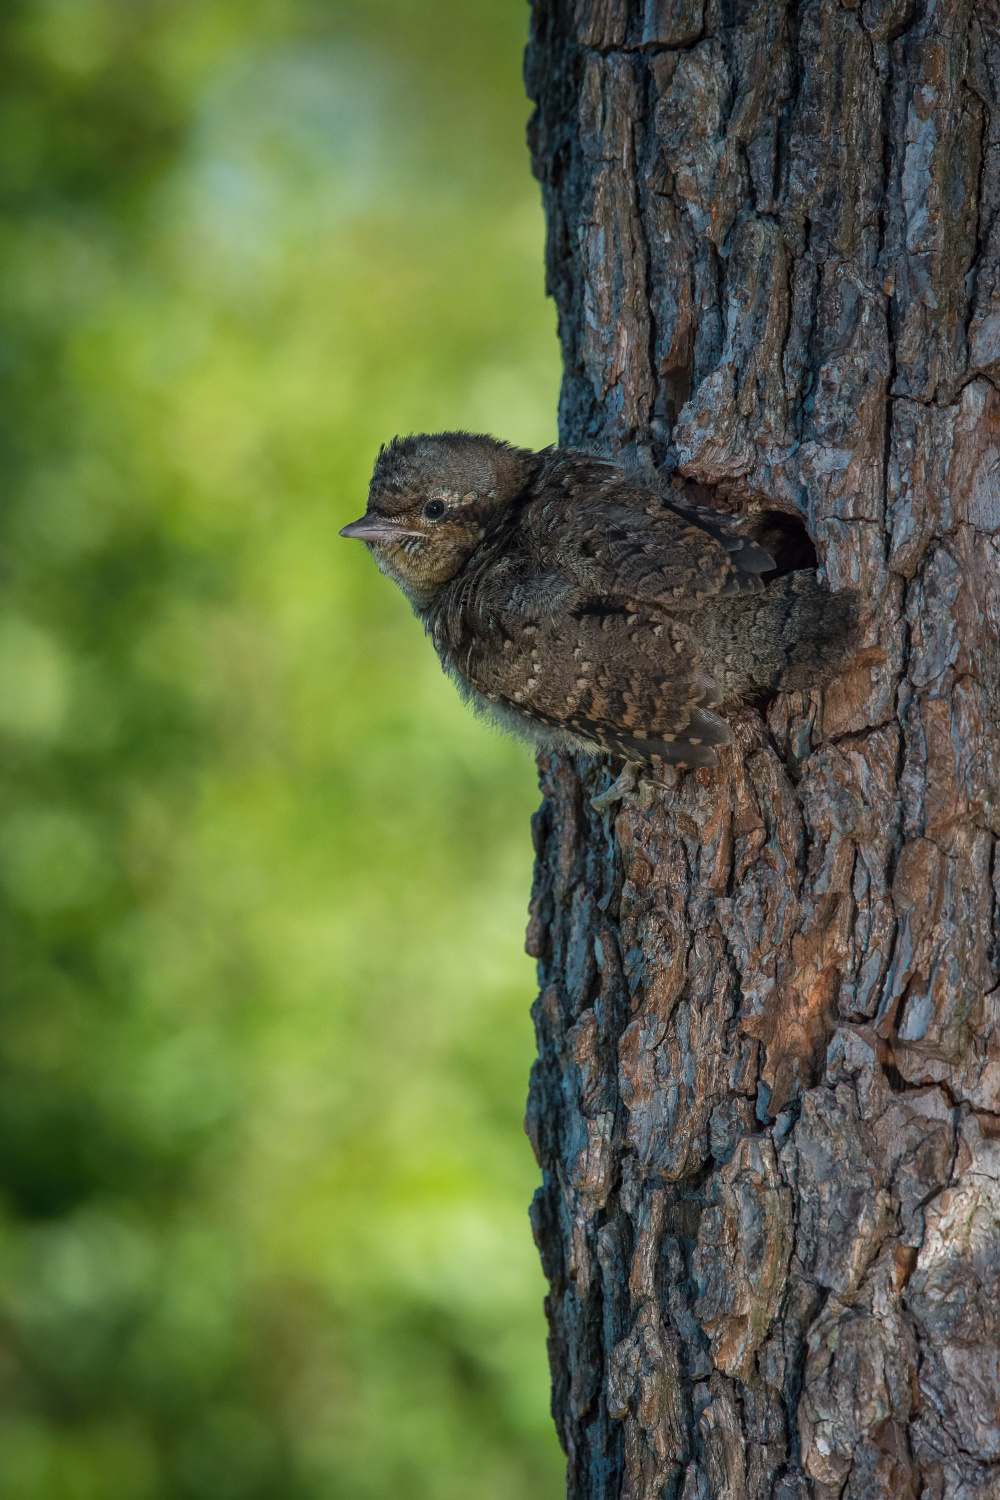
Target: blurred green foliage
x=265, y=1035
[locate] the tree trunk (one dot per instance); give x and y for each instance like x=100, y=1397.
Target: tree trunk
x=767, y=1101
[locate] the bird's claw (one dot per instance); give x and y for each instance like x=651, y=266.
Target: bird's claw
x=630, y=789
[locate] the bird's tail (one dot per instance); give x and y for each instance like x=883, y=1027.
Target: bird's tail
x=819, y=630
x=795, y=634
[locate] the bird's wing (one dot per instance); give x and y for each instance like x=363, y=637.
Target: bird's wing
x=629, y=684
x=746, y=555
x=623, y=541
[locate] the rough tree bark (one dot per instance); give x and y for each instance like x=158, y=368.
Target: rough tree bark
x=767, y=1101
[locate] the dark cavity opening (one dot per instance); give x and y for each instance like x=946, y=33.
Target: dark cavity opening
x=785, y=537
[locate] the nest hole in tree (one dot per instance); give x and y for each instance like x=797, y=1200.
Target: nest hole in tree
x=785, y=537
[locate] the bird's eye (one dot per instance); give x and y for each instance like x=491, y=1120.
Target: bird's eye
x=434, y=510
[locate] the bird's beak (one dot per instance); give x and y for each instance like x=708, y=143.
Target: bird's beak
x=375, y=529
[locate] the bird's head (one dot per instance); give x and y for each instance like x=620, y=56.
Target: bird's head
x=433, y=498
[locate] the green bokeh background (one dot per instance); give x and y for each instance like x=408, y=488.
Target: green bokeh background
x=265, y=1035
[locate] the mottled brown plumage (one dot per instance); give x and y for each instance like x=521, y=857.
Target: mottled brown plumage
x=587, y=608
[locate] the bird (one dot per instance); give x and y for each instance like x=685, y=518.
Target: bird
x=592, y=608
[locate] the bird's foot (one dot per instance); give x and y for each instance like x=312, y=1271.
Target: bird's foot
x=631, y=790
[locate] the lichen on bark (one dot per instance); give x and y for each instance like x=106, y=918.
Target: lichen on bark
x=767, y=1099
